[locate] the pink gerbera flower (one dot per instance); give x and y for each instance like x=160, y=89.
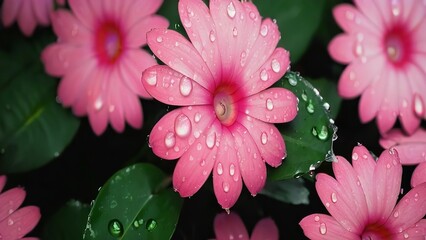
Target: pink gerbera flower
x=222, y=77
x=384, y=46
x=16, y=223
x=362, y=198
x=28, y=13
x=411, y=149
x=230, y=226
x=99, y=58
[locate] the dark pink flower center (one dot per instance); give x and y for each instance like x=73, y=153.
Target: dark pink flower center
x=225, y=107
x=109, y=42
x=398, y=46
x=376, y=232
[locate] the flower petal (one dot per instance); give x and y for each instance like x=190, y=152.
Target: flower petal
x=139, y=9
x=416, y=232
x=171, y=87
x=167, y=143
x=276, y=105
x=137, y=33
x=132, y=108
x=407, y=116
x=115, y=102
x=371, y=98
x=69, y=29
x=351, y=20
x=42, y=10
x=419, y=175
x=19, y=223
x=196, y=164
x=265, y=229
x=321, y=226
x=83, y=11
x=253, y=169
x=410, y=209
x=341, y=48
x=26, y=20
x=180, y=55
x=9, y=11
x=388, y=111
x=10, y=201
x=371, y=12
x=96, y=104
x=226, y=225
x=227, y=187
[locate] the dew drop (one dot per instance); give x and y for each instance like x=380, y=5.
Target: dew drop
x=355, y=156
x=225, y=186
x=234, y=32
x=170, y=140
x=231, y=10
x=202, y=163
x=232, y=169
x=115, y=228
x=326, y=105
x=264, y=75
x=304, y=96
x=418, y=105
x=10, y=222
x=138, y=223
x=314, y=131
x=187, y=23
x=159, y=39
x=264, y=30
x=269, y=104
x=317, y=218
x=151, y=224
x=197, y=117
x=212, y=36
x=113, y=204
x=323, y=229
x=334, y=197
x=264, y=138
x=182, y=126
x=396, y=214
x=276, y=67
x=98, y=104
x=310, y=106
x=211, y=139
x=219, y=169
x=406, y=235
x=292, y=81
x=252, y=15
x=323, y=134
x=152, y=79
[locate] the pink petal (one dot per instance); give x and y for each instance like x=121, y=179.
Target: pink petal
x=265, y=229
x=410, y=209
x=387, y=114
x=80, y=91
x=271, y=71
x=197, y=20
x=321, y=226
x=96, y=105
x=385, y=9
x=419, y=175
x=227, y=187
x=371, y=98
x=133, y=64
x=387, y=176
x=42, y=10
x=19, y=223
x=351, y=20
x=341, y=48
x=83, y=12
x=140, y=9
x=9, y=11
x=196, y=164
x=226, y=225
x=358, y=76
x=98, y=120
x=10, y=201
x=3, y=179
x=26, y=20
x=115, y=103
x=416, y=232
x=412, y=153
x=364, y=165
x=179, y=54
x=268, y=139
x=137, y=33
x=167, y=143
x=339, y=202
x=416, y=75
x=253, y=169
x=171, y=87
x=413, y=13
x=371, y=12
x=132, y=108
x=407, y=116
x=276, y=105
x=69, y=29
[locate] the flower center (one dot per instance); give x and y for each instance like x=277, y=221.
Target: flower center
x=224, y=106
x=376, y=232
x=397, y=43
x=108, y=42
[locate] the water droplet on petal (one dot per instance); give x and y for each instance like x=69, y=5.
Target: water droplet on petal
x=225, y=186
x=212, y=36
x=219, y=169
x=235, y=32
x=418, y=105
x=269, y=104
x=264, y=138
x=252, y=15
x=185, y=86
x=396, y=214
x=115, y=228
x=355, y=156
x=182, y=125
x=276, y=67
x=98, y=104
x=406, y=235
x=151, y=224
x=152, y=79
x=323, y=229
x=10, y=222
x=170, y=140
x=159, y=39
x=334, y=197
x=264, y=75
x=197, y=117
x=211, y=139
x=232, y=169
x=264, y=30
x=231, y=10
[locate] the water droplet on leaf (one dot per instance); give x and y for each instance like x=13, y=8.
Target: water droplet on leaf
x=115, y=228
x=151, y=224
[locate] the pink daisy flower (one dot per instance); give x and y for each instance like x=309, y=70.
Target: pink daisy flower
x=222, y=77
x=28, y=13
x=411, y=150
x=99, y=57
x=362, y=198
x=16, y=223
x=230, y=226
x=383, y=44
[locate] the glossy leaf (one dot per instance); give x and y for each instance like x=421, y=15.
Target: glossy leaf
x=289, y=191
x=297, y=20
x=135, y=203
x=309, y=136
x=34, y=128
x=68, y=223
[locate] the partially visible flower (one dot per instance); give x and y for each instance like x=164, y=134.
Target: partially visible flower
x=411, y=150
x=221, y=78
x=28, y=13
x=383, y=43
x=16, y=222
x=99, y=57
x=362, y=198
x=230, y=226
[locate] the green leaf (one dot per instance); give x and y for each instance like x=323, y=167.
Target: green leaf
x=328, y=91
x=289, y=191
x=135, y=203
x=68, y=223
x=297, y=20
x=34, y=128
x=309, y=136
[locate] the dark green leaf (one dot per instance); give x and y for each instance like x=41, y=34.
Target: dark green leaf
x=135, y=203
x=328, y=91
x=309, y=136
x=34, y=128
x=68, y=223
x=289, y=191
x=298, y=21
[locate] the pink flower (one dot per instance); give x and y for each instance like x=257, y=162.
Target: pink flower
x=362, y=198
x=99, y=57
x=222, y=77
x=230, y=226
x=16, y=223
x=28, y=13
x=411, y=150
x=383, y=44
